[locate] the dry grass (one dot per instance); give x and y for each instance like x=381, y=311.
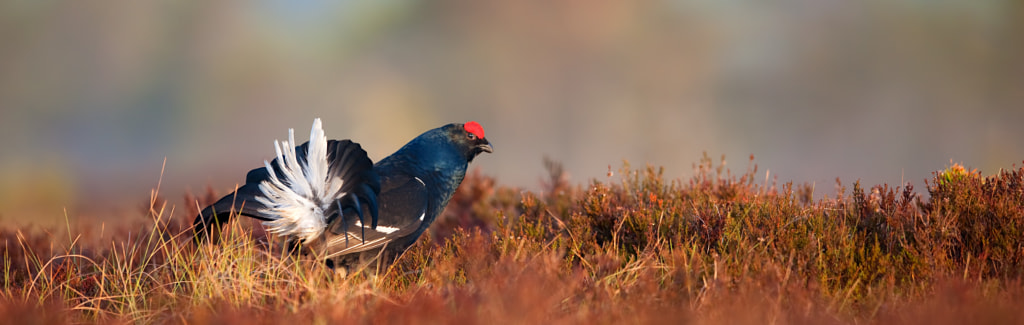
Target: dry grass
x=638, y=248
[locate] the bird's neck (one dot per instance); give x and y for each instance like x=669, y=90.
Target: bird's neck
x=438, y=167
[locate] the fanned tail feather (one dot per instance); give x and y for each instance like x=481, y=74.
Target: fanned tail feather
x=301, y=194
x=302, y=190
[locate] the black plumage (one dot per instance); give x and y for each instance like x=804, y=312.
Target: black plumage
x=401, y=195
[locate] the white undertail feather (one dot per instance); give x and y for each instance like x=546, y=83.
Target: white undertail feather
x=301, y=194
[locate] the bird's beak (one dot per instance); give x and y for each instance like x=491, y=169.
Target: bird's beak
x=485, y=146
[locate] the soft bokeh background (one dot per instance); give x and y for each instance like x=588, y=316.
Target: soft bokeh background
x=95, y=94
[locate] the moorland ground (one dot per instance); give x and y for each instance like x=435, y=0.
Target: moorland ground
x=636, y=247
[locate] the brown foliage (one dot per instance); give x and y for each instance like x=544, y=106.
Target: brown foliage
x=715, y=248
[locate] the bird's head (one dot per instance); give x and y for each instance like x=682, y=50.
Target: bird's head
x=469, y=139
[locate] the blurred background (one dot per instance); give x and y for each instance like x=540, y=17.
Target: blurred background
x=94, y=95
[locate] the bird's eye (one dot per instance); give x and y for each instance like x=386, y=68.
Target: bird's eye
x=471, y=136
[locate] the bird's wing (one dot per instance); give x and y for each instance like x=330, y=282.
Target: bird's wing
x=303, y=189
x=403, y=206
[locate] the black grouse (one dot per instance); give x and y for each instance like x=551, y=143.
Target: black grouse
x=318, y=193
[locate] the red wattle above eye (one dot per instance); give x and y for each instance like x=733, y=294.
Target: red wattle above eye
x=475, y=128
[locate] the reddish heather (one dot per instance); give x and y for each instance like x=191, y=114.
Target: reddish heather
x=637, y=248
